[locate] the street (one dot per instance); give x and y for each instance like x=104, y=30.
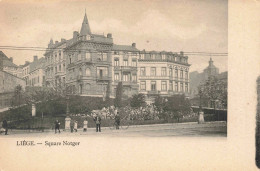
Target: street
x=192, y=129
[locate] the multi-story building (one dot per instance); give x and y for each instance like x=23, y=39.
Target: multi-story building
x=125, y=68
x=163, y=73
x=8, y=65
x=26, y=71
x=55, y=65
x=88, y=61
x=36, y=72
x=93, y=63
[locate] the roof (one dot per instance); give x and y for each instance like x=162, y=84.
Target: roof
x=85, y=29
x=8, y=63
x=3, y=55
x=37, y=64
x=124, y=48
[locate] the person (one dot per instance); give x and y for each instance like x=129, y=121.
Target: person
x=76, y=126
x=85, y=125
x=117, y=120
x=71, y=126
x=97, y=120
x=5, y=126
x=57, y=126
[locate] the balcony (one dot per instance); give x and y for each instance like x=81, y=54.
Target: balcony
x=104, y=78
x=125, y=68
x=153, y=92
x=79, y=77
x=59, y=73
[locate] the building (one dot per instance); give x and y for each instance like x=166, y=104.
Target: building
x=26, y=71
x=36, y=72
x=163, y=73
x=8, y=82
x=7, y=65
x=125, y=69
x=88, y=61
x=55, y=66
x=91, y=64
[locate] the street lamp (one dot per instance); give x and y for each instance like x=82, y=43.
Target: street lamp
x=201, y=113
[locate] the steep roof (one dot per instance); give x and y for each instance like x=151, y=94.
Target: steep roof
x=8, y=63
x=85, y=29
x=124, y=48
x=37, y=64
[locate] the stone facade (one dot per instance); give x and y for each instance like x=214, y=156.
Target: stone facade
x=8, y=82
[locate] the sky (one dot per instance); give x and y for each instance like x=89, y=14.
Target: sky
x=170, y=25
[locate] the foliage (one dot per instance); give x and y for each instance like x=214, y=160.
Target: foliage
x=18, y=97
x=214, y=90
x=119, y=94
x=138, y=100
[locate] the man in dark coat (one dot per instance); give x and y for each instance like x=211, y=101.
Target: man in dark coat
x=117, y=120
x=71, y=125
x=57, y=126
x=5, y=126
x=97, y=120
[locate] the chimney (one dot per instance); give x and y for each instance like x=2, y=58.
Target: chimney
x=56, y=42
x=63, y=40
x=35, y=58
x=27, y=62
x=109, y=35
x=11, y=59
x=133, y=44
x=181, y=52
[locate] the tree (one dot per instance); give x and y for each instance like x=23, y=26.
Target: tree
x=177, y=106
x=119, y=94
x=138, y=100
x=18, y=97
x=159, y=104
x=108, y=92
x=214, y=90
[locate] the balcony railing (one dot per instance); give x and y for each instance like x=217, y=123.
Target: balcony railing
x=125, y=68
x=104, y=78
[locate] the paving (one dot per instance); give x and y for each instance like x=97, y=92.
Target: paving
x=207, y=129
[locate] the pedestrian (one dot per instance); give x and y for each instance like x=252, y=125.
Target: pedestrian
x=57, y=126
x=5, y=126
x=71, y=125
x=117, y=120
x=76, y=126
x=97, y=120
x=85, y=125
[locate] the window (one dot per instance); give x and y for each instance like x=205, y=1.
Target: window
x=64, y=68
x=116, y=77
x=70, y=59
x=164, y=86
x=142, y=56
x=55, y=69
x=186, y=87
x=143, y=85
x=88, y=56
x=171, y=86
x=88, y=72
x=153, y=71
x=153, y=85
x=125, y=63
x=142, y=70
x=163, y=56
x=134, y=78
x=152, y=56
x=80, y=71
x=134, y=63
x=181, y=73
x=116, y=62
x=102, y=72
x=79, y=56
x=87, y=86
x=163, y=71
x=181, y=87
x=125, y=77
x=88, y=37
x=80, y=88
x=170, y=72
x=176, y=73
x=104, y=57
x=59, y=67
x=186, y=75
x=176, y=87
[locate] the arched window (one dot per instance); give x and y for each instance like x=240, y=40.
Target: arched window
x=88, y=72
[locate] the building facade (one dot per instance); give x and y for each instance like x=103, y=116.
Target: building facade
x=6, y=64
x=55, y=64
x=163, y=73
x=36, y=72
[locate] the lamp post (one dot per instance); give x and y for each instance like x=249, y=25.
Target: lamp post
x=67, y=119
